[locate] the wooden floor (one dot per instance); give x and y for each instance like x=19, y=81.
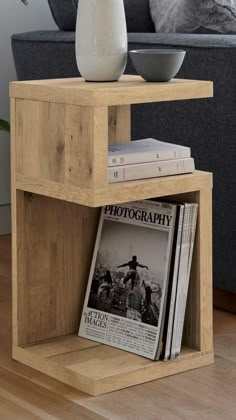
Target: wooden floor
x=204, y=394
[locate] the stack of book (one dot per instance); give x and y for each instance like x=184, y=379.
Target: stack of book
x=147, y=158
x=138, y=283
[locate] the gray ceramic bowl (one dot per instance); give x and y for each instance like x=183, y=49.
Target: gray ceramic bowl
x=157, y=65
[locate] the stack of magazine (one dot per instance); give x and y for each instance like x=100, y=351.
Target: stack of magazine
x=147, y=158
x=138, y=283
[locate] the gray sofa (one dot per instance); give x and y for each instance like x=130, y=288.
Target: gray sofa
x=208, y=126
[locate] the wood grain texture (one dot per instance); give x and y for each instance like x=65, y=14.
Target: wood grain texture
x=207, y=393
x=67, y=144
x=100, y=369
x=120, y=192
x=54, y=250
x=61, y=131
x=65, y=344
x=86, y=134
x=40, y=146
x=14, y=222
x=119, y=124
x=36, y=401
x=129, y=90
x=62, y=143
x=203, y=266
x=198, y=330
x=10, y=410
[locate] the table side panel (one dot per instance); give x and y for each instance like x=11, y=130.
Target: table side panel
x=14, y=223
x=67, y=144
x=86, y=143
x=40, y=145
x=55, y=241
x=198, y=327
x=119, y=124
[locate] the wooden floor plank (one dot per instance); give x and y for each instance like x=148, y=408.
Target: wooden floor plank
x=207, y=393
x=11, y=411
x=42, y=403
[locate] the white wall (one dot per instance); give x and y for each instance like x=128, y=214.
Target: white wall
x=14, y=18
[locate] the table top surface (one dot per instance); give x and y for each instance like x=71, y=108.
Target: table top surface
x=129, y=89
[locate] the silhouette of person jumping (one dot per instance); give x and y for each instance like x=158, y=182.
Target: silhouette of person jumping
x=131, y=274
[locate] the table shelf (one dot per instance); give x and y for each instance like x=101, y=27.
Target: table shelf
x=97, y=369
x=119, y=192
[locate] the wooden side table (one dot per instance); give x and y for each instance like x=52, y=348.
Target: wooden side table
x=60, y=134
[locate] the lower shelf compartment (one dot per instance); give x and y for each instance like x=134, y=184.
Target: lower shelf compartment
x=97, y=369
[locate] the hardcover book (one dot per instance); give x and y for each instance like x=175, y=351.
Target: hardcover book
x=126, y=294
x=146, y=150
x=150, y=170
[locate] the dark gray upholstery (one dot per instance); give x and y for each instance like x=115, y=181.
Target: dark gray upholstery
x=64, y=13
x=208, y=126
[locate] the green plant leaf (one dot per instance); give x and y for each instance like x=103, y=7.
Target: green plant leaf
x=25, y=2
x=4, y=126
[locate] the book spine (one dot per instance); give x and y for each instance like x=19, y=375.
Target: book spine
x=150, y=170
x=181, y=280
x=165, y=291
x=174, y=285
x=186, y=284
x=135, y=158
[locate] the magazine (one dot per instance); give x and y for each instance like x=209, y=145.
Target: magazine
x=183, y=283
x=174, y=274
x=126, y=294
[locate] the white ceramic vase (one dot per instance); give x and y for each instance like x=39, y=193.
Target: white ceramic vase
x=101, y=39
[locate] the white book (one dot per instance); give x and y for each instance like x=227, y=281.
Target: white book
x=124, y=305
x=186, y=283
x=183, y=266
x=146, y=150
x=150, y=170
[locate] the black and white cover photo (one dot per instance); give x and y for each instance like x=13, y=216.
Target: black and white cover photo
x=129, y=273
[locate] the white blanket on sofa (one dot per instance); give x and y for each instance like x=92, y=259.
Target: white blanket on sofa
x=193, y=15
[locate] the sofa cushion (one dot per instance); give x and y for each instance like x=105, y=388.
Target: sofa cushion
x=64, y=13
x=137, y=15
x=193, y=16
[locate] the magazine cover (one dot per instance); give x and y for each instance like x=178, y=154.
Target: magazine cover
x=126, y=292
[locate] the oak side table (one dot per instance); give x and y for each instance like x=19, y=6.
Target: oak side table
x=60, y=131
